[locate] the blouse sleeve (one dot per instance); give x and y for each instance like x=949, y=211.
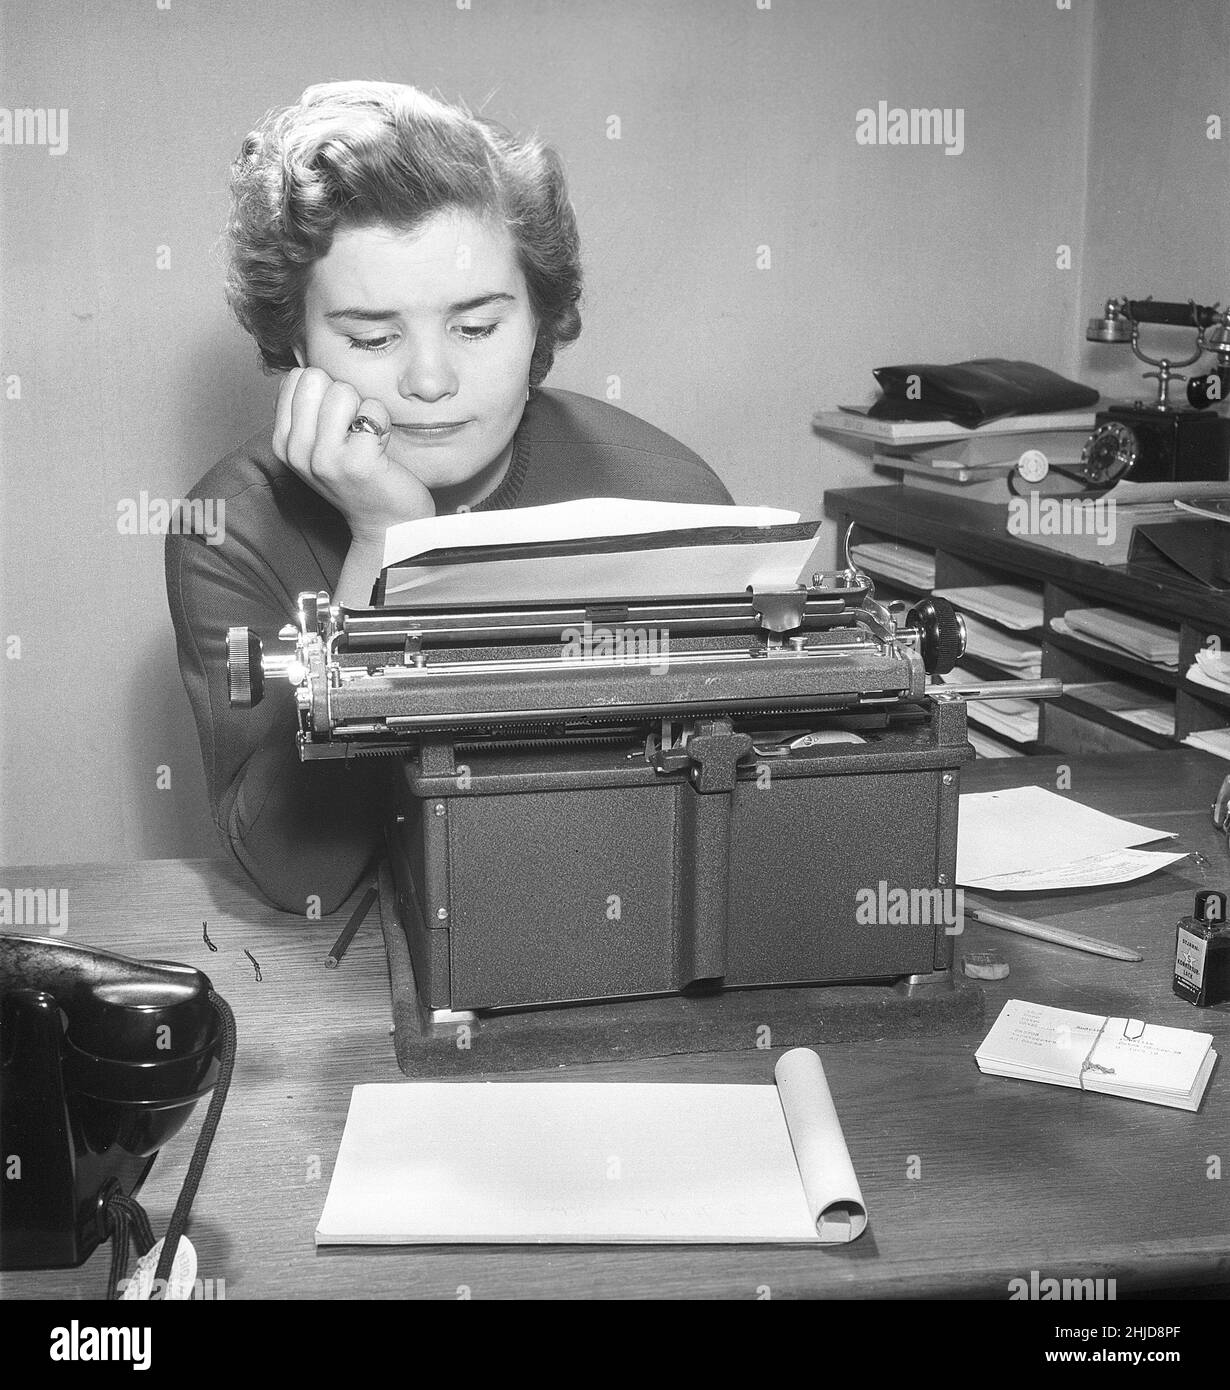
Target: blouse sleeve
x=301, y=831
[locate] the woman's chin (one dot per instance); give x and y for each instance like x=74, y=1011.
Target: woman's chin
x=434, y=472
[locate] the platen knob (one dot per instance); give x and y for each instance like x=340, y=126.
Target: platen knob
x=245, y=676
x=942, y=643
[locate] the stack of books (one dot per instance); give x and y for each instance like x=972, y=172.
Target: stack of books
x=943, y=457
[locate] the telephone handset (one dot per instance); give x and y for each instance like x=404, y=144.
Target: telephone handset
x=102, y=1060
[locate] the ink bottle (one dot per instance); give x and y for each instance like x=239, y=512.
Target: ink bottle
x=1202, y=952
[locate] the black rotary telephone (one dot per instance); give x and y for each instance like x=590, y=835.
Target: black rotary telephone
x=1156, y=441
x=102, y=1060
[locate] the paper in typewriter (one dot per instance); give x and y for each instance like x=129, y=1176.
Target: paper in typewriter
x=575, y=1162
x=594, y=548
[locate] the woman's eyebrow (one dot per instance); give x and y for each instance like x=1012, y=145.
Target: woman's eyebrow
x=383, y=315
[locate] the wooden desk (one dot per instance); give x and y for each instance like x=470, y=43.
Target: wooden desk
x=1011, y=1176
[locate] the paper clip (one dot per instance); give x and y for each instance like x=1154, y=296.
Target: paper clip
x=1133, y=1037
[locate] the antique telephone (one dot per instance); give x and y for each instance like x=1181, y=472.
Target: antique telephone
x=1158, y=442
x=102, y=1060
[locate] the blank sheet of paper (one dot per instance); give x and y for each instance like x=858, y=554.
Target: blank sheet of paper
x=1025, y=829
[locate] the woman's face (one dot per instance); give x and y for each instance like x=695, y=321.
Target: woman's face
x=437, y=325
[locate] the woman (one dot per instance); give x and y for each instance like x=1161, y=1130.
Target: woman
x=412, y=269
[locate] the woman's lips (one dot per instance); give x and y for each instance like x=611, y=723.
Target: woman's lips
x=443, y=430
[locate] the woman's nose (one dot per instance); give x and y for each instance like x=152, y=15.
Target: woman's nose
x=428, y=372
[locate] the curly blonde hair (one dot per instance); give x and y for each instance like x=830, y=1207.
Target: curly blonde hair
x=355, y=154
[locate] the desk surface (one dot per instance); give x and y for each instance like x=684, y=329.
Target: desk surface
x=970, y=1180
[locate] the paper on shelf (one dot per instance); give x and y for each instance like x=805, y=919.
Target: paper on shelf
x=987, y=747
x=1157, y=721
x=1122, y=632
x=1019, y=725
x=907, y=564
x=1014, y=653
x=1215, y=741
x=1211, y=668
x=1011, y=605
x=1026, y=829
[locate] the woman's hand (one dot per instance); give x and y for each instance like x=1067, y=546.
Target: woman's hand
x=311, y=435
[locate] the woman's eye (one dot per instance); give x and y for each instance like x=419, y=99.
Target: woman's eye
x=474, y=332
x=371, y=344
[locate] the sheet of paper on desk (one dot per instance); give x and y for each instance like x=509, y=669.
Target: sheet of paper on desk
x=1116, y=866
x=1036, y=837
x=571, y=1162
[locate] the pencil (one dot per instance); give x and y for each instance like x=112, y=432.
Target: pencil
x=334, y=958
x=1057, y=935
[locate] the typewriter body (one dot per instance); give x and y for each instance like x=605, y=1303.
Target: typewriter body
x=600, y=801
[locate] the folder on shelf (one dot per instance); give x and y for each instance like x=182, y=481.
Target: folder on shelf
x=1010, y=605
x=1122, y=632
x=1185, y=550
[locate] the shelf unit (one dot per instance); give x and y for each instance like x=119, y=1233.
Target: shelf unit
x=971, y=545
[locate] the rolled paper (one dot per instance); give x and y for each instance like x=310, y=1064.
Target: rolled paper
x=829, y=1184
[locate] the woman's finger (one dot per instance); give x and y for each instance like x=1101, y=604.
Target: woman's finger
x=310, y=391
x=281, y=418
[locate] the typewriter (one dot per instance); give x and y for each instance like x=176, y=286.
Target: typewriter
x=607, y=800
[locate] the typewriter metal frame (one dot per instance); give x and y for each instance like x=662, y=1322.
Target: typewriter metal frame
x=584, y=814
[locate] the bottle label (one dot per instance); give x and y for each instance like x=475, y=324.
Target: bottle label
x=1189, y=959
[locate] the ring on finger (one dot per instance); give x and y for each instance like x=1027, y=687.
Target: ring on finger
x=364, y=424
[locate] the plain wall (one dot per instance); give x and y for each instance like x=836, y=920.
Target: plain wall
x=737, y=134
x=1159, y=186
